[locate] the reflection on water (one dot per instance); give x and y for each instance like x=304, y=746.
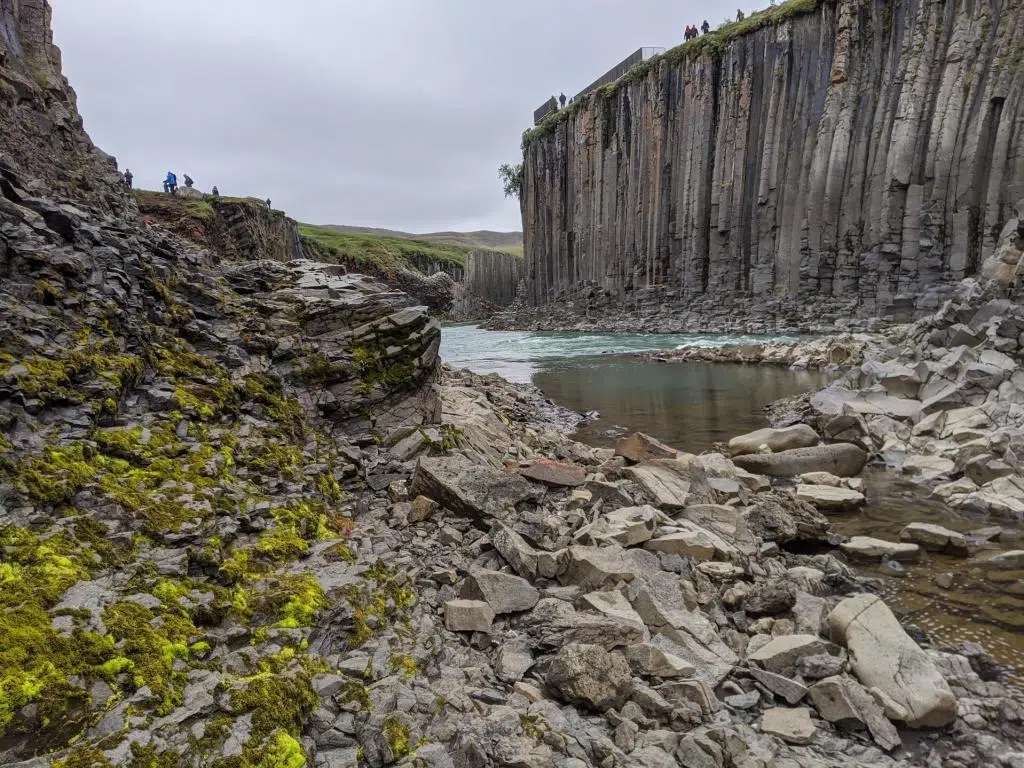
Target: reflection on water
x=688, y=405
x=982, y=607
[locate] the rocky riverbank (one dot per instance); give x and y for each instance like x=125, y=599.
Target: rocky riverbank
x=833, y=353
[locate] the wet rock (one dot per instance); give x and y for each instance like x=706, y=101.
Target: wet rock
x=829, y=498
x=934, y=537
x=472, y=490
x=870, y=548
x=504, y=592
x=590, y=676
x=555, y=474
x=787, y=438
x=640, y=448
x=1012, y=560
x=790, y=725
x=841, y=459
x=882, y=655
x=468, y=616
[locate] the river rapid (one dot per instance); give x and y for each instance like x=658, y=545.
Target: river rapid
x=693, y=406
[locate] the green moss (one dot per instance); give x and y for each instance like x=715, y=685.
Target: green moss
x=281, y=751
x=83, y=757
x=71, y=376
x=406, y=664
x=396, y=733
x=318, y=371
x=278, y=703
x=148, y=757
x=152, y=642
x=383, y=596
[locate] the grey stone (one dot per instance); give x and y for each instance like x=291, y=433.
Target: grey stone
x=469, y=489
x=830, y=499
x=590, y=676
x=784, y=439
x=790, y=690
x=468, y=616
x=504, y=592
x=841, y=459
x=781, y=654
x=640, y=448
x=791, y=725
x=870, y=548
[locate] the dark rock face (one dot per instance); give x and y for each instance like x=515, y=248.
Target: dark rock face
x=490, y=282
x=40, y=126
x=862, y=156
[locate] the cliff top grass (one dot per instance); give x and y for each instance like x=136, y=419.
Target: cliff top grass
x=713, y=44
x=385, y=254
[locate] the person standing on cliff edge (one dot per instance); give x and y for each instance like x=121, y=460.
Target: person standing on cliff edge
x=705, y=26
x=561, y=100
x=739, y=15
x=128, y=177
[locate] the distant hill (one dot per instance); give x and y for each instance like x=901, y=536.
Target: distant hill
x=484, y=239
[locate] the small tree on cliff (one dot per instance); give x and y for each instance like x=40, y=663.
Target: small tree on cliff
x=511, y=179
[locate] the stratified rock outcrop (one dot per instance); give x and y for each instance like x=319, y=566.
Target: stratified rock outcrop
x=864, y=155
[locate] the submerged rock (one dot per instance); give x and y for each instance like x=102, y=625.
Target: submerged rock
x=841, y=459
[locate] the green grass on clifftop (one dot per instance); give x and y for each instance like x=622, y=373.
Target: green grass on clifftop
x=386, y=254
x=714, y=44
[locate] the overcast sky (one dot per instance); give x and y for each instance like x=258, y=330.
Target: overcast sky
x=385, y=113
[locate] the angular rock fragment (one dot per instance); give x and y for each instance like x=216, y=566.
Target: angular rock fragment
x=504, y=592
x=627, y=527
x=639, y=448
x=882, y=655
x=468, y=616
x=555, y=474
x=792, y=725
x=590, y=676
x=781, y=654
x=934, y=537
x=829, y=498
x=469, y=489
x=870, y=548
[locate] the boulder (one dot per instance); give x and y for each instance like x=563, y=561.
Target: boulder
x=842, y=459
x=1012, y=560
x=784, y=518
x=470, y=489
x=468, y=616
x=517, y=552
x=512, y=662
x=883, y=656
x=662, y=484
x=790, y=690
x=639, y=448
x=770, y=598
x=555, y=474
x=928, y=467
x=651, y=661
x=627, y=527
x=845, y=702
x=780, y=654
x=504, y=592
x=870, y=548
x=590, y=676
x=688, y=539
x=986, y=468
x=934, y=537
x=791, y=725
x=595, y=567
x=614, y=604
x=830, y=498
x=787, y=438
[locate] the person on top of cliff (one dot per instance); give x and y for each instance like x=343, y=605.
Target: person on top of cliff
x=171, y=183
x=739, y=15
x=686, y=34
x=215, y=192
x=128, y=178
x=268, y=203
x=188, y=181
x=561, y=100
x=705, y=26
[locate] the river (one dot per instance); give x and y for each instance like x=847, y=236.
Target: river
x=692, y=406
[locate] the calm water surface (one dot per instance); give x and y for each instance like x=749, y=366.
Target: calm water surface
x=693, y=405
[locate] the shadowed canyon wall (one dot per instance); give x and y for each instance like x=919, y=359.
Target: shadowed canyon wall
x=490, y=283
x=863, y=153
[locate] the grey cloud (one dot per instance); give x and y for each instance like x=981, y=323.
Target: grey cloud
x=394, y=113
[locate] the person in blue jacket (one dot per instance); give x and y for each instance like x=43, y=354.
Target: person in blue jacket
x=171, y=183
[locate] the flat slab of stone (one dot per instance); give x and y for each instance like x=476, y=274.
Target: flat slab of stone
x=790, y=690
x=613, y=603
x=934, y=537
x=1013, y=560
x=870, y=548
x=470, y=489
x=468, y=616
x=883, y=656
x=687, y=539
x=841, y=459
x=649, y=660
x=928, y=467
x=780, y=654
x=639, y=448
x=556, y=474
x=790, y=725
x=667, y=489
x=627, y=527
x=784, y=439
x=504, y=592
x=830, y=498
x=595, y=567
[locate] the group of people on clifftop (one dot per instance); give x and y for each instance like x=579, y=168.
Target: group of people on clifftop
x=171, y=183
x=691, y=33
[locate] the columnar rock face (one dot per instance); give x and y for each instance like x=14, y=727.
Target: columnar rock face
x=490, y=282
x=861, y=152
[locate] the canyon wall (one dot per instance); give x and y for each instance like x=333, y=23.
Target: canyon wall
x=489, y=283
x=860, y=155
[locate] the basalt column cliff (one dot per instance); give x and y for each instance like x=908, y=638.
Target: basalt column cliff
x=863, y=153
